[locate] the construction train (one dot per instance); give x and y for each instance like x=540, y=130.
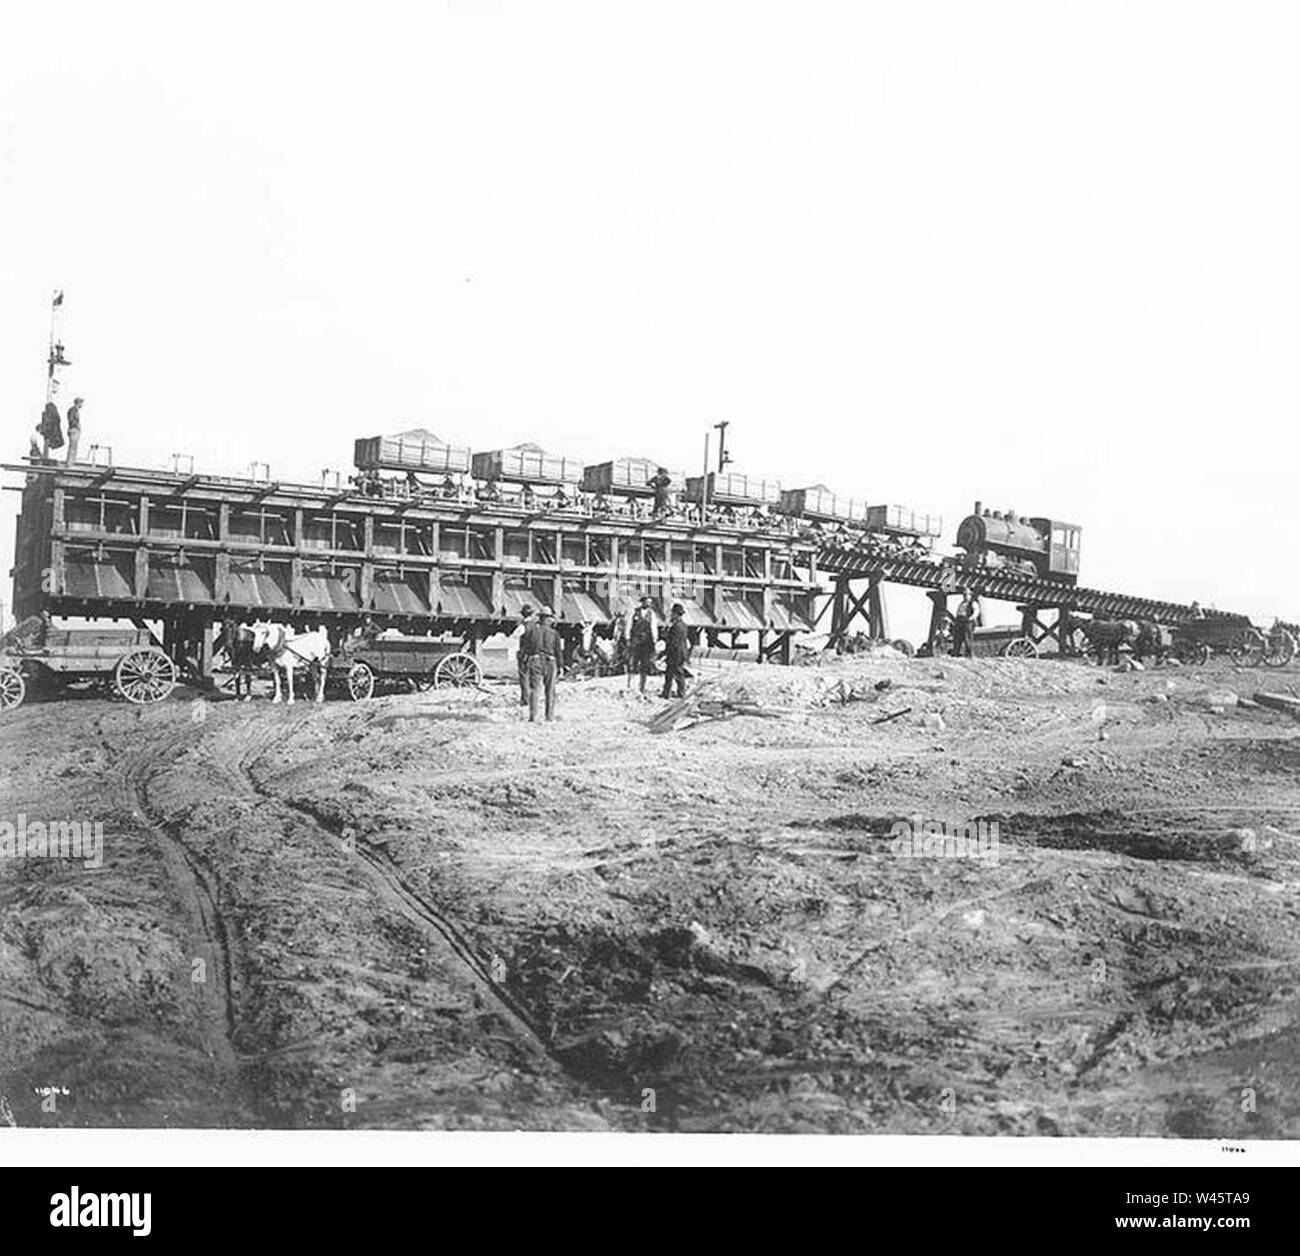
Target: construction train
x=987, y=540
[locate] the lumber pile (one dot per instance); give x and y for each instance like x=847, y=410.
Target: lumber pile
x=707, y=703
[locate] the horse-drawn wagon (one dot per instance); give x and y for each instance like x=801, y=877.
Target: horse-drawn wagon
x=126, y=661
x=1198, y=639
x=367, y=665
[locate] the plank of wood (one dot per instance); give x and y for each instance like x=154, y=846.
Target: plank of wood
x=1279, y=702
x=893, y=715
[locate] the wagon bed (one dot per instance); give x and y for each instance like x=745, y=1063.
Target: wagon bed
x=1196, y=640
x=418, y=662
x=126, y=661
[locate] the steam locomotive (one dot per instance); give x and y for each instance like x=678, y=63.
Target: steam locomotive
x=1046, y=548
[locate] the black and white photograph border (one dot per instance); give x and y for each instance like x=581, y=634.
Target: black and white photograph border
x=622, y=573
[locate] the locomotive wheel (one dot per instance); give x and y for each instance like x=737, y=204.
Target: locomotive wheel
x=361, y=682
x=143, y=676
x=1248, y=648
x=1280, y=649
x=1020, y=648
x=13, y=689
x=457, y=671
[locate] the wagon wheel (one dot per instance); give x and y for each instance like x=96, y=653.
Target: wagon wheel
x=13, y=689
x=457, y=671
x=1020, y=648
x=144, y=675
x=1192, y=653
x=1280, y=649
x=361, y=682
x=1247, y=648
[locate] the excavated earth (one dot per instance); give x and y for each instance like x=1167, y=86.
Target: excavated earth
x=421, y=912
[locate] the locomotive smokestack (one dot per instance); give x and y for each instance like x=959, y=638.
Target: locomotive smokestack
x=977, y=507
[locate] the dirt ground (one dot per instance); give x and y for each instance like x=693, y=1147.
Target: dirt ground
x=421, y=912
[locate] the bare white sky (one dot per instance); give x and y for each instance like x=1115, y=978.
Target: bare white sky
x=1042, y=254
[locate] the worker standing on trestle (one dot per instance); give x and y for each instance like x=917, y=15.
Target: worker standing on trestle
x=661, y=483
x=74, y=429
x=50, y=430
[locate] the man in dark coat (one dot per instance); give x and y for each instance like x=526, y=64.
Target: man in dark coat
x=963, y=624
x=641, y=634
x=542, y=650
x=678, y=652
x=50, y=429
x=661, y=483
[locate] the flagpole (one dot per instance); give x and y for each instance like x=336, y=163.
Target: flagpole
x=56, y=358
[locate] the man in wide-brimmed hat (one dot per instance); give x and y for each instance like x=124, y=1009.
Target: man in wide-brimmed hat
x=677, y=653
x=642, y=634
x=542, y=652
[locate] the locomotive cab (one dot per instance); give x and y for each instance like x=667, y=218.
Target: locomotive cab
x=1063, y=549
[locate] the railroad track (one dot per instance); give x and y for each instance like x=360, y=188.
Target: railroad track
x=949, y=577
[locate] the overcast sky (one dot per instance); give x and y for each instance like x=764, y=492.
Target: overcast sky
x=1046, y=255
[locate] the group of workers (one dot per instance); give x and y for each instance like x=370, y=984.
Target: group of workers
x=638, y=631
x=50, y=430
x=540, y=657
x=664, y=503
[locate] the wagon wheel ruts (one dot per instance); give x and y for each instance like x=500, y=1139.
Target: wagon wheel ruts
x=1280, y=649
x=361, y=682
x=1020, y=648
x=13, y=689
x=1247, y=648
x=458, y=671
x=144, y=675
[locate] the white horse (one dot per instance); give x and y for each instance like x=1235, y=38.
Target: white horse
x=289, y=651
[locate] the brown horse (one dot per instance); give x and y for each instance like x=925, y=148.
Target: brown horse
x=1106, y=636
x=236, y=640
